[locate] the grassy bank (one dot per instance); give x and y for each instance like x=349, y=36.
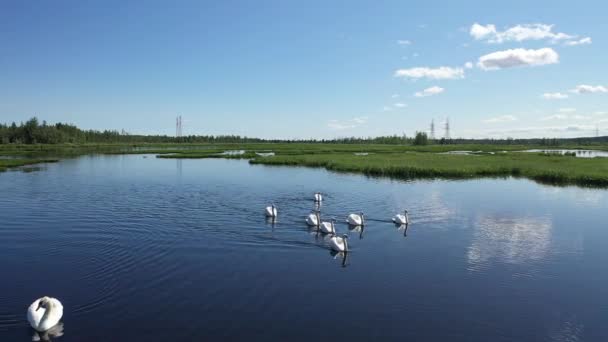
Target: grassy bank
x=11, y=163
x=546, y=169
x=396, y=161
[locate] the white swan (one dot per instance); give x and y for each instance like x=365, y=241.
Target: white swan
x=328, y=227
x=271, y=211
x=318, y=197
x=402, y=218
x=356, y=219
x=339, y=244
x=44, y=313
x=313, y=219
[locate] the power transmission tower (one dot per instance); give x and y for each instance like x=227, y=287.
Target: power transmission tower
x=447, y=128
x=178, y=126
x=433, y=129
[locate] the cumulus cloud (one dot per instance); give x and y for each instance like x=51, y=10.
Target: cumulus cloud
x=567, y=110
x=429, y=91
x=503, y=118
x=404, y=42
x=582, y=41
x=589, y=89
x=400, y=105
x=522, y=32
x=554, y=117
x=340, y=125
x=517, y=57
x=439, y=73
x=468, y=65
x=554, y=96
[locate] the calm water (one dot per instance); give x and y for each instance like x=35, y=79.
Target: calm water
x=146, y=249
x=578, y=153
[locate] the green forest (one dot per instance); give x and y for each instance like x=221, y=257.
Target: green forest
x=35, y=132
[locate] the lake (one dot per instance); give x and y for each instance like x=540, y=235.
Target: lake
x=147, y=249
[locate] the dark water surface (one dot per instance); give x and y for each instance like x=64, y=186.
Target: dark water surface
x=146, y=249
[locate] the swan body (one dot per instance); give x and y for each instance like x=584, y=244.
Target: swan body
x=356, y=219
x=339, y=244
x=44, y=313
x=328, y=227
x=271, y=211
x=318, y=197
x=313, y=219
x=401, y=218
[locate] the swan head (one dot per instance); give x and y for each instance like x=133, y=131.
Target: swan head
x=345, y=236
x=43, y=303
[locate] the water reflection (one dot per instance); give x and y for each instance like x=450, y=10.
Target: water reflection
x=341, y=255
x=404, y=227
x=357, y=229
x=514, y=240
x=54, y=332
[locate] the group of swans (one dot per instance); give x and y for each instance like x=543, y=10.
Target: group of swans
x=337, y=243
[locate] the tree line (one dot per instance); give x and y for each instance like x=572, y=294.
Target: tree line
x=34, y=132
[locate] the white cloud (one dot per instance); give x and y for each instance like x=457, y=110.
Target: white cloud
x=404, y=42
x=588, y=89
x=554, y=117
x=517, y=57
x=582, y=41
x=503, y=118
x=415, y=54
x=400, y=105
x=522, y=32
x=340, y=125
x=562, y=116
x=554, y=96
x=386, y=109
x=439, y=73
x=429, y=91
x=468, y=65
x=394, y=96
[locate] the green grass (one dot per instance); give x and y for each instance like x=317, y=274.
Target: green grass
x=546, y=169
x=396, y=161
x=11, y=163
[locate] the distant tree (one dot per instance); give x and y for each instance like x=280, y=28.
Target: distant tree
x=421, y=139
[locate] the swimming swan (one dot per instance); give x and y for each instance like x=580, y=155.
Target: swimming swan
x=318, y=197
x=401, y=219
x=328, y=227
x=313, y=219
x=44, y=313
x=339, y=244
x=271, y=211
x=356, y=219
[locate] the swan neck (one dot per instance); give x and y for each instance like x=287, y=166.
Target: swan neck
x=47, y=311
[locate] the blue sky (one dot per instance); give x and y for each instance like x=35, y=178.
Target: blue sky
x=301, y=69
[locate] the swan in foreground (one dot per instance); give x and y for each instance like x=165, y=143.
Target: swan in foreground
x=44, y=313
x=318, y=197
x=328, y=227
x=271, y=211
x=313, y=219
x=356, y=219
x=339, y=244
x=401, y=218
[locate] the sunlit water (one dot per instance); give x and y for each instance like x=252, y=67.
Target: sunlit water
x=146, y=249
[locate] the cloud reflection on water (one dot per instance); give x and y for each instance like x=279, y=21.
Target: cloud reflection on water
x=513, y=240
